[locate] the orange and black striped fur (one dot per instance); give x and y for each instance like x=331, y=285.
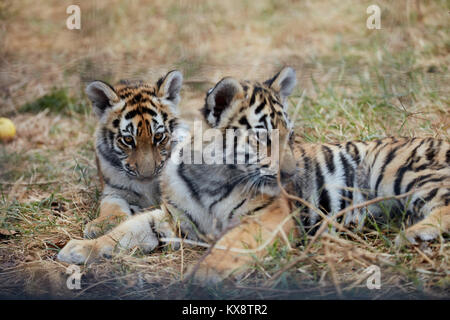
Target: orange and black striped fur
x=242, y=205
x=334, y=176
x=136, y=123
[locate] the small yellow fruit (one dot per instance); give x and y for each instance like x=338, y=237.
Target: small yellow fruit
x=7, y=129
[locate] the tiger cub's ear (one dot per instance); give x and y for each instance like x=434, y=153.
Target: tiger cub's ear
x=220, y=99
x=169, y=87
x=283, y=82
x=102, y=96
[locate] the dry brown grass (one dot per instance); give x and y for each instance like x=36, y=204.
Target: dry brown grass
x=359, y=84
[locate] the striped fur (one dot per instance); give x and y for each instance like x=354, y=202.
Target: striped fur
x=354, y=172
x=209, y=198
x=133, y=139
x=242, y=207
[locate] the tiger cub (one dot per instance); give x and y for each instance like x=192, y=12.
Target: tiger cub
x=206, y=200
x=241, y=204
x=136, y=122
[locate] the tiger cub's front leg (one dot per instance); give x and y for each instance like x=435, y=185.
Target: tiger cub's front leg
x=238, y=247
x=113, y=210
x=142, y=231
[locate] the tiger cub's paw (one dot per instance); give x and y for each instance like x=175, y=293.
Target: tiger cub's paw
x=92, y=230
x=101, y=225
x=206, y=275
x=414, y=233
x=83, y=251
x=216, y=268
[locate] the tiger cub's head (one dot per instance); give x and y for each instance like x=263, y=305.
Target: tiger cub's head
x=260, y=108
x=136, y=122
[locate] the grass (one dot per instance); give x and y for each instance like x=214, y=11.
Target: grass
x=358, y=84
x=56, y=101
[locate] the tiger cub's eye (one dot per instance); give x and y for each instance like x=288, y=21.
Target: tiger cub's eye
x=128, y=140
x=158, y=136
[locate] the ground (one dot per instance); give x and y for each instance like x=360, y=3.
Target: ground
x=357, y=84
